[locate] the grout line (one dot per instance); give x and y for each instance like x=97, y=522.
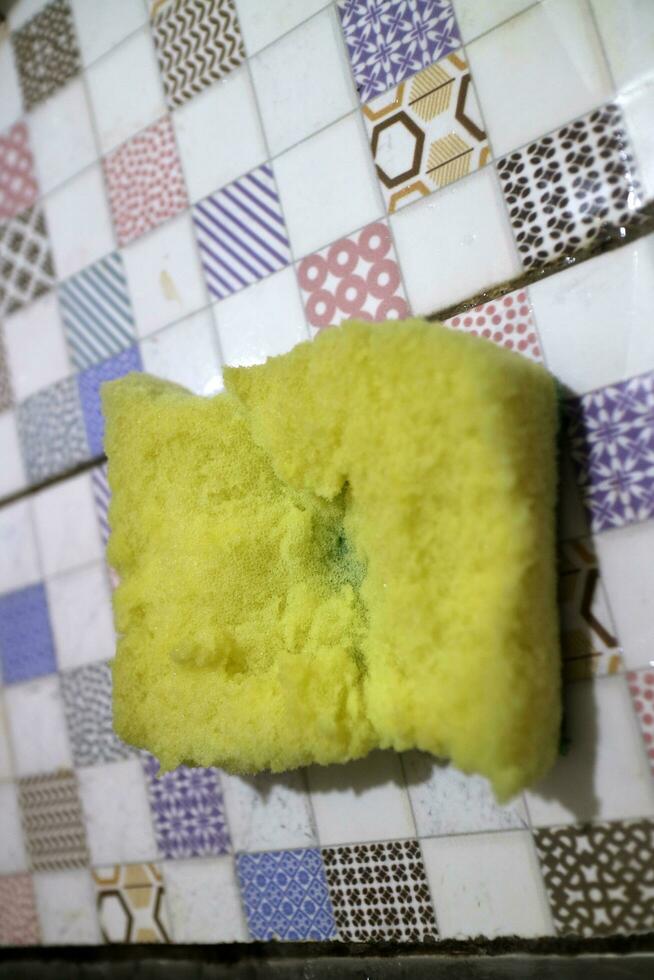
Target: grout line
x=419, y=839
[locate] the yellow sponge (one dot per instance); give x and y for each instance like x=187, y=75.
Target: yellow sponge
x=352, y=547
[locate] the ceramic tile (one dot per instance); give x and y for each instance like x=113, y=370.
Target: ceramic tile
x=52, y=821
x=80, y=612
x=598, y=877
x=507, y=321
x=89, y=383
x=627, y=32
x=122, y=831
x=62, y=136
x=6, y=763
x=46, y=52
x=66, y=908
x=86, y=693
x=131, y=904
x=101, y=26
x=26, y=647
x=35, y=713
x=388, y=41
x=18, y=919
x=356, y=277
x=51, y=431
x=145, y=182
x=79, y=222
x=638, y=108
x=19, y=563
x=473, y=893
x=198, y=43
x=101, y=498
x=263, y=22
x=65, y=525
x=326, y=186
x=18, y=186
x=13, y=856
x=554, y=41
x=476, y=18
x=455, y=244
x=6, y=388
x=262, y=321
x=628, y=571
x=35, y=346
x=12, y=474
x=268, y=811
x=285, y=895
x=22, y=11
x=361, y=801
x=10, y=104
x=641, y=687
x=186, y=353
x=241, y=233
x=204, y=901
x=25, y=260
x=379, y=892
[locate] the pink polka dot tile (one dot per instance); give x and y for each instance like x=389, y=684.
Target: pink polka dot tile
x=18, y=187
x=355, y=278
x=641, y=685
x=507, y=321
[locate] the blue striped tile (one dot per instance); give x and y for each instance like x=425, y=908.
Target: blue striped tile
x=101, y=495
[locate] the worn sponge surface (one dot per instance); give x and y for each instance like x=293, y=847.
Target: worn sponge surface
x=352, y=547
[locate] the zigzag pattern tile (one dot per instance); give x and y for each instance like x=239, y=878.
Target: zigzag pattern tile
x=52, y=821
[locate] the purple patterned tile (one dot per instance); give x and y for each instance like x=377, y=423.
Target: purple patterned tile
x=26, y=646
x=89, y=383
x=611, y=434
x=388, y=40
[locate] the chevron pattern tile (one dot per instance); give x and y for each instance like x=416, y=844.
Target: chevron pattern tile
x=198, y=42
x=53, y=821
x=26, y=266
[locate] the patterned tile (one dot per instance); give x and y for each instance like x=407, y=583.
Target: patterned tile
x=611, y=435
x=26, y=644
x=427, y=132
x=567, y=188
x=53, y=822
x=89, y=382
x=507, y=321
x=599, y=877
x=379, y=892
x=46, y=52
x=26, y=266
x=641, y=685
x=198, y=42
x=355, y=277
x=188, y=812
x=18, y=916
x=145, y=183
x=285, y=895
x=51, y=430
x=131, y=904
x=390, y=39
x=18, y=186
x=6, y=393
x=96, y=312
x=101, y=497
x=86, y=693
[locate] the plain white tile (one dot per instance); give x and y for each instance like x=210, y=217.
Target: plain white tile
x=23, y=10
x=12, y=472
x=627, y=561
x=268, y=812
x=262, y=22
x=303, y=81
x=456, y=243
x=259, y=322
x=6, y=764
x=66, y=905
x=486, y=885
x=164, y=275
x=594, y=319
x=66, y=525
x=126, y=90
x=36, y=349
x=364, y=800
x=61, y=136
x=121, y=832
x=204, y=901
x=475, y=17
x=638, y=108
x=186, y=353
x=202, y=127
x=19, y=562
x=327, y=186
x=101, y=25
x=627, y=32
x=80, y=613
x=11, y=104
x=77, y=215
x=35, y=714
x=12, y=847
x=604, y=774
x=554, y=40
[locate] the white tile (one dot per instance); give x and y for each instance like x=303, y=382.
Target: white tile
x=261, y=321
x=594, y=320
x=61, y=135
x=486, y=885
x=627, y=32
x=11, y=104
x=66, y=525
x=6, y=765
x=262, y=22
x=12, y=847
x=36, y=349
x=604, y=774
x=66, y=905
x=80, y=613
x=126, y=90
x=77, y=216
x=364, y=800
x=35, y=714
x=328, y=186
x=268, y=812
x=303, y=81
x=23, y=10
x=638, y=108
x=627, y=561
x=455, y=243
x=122, y=832
x=202, y=126
x=101, y=25
x=554, y=40
x=204, y=901
x=164, y=275
x=186, y=353
x=475, y=17
x=446, y=801
x=19, y=562
x=12, y=473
